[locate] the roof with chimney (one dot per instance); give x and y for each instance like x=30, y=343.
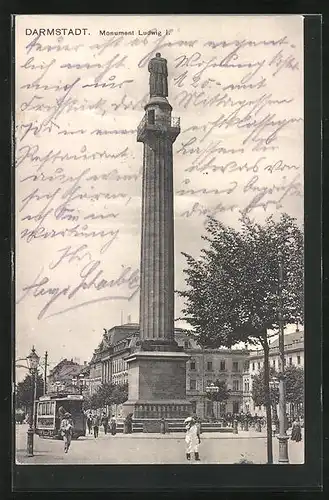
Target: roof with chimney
x=66, y=369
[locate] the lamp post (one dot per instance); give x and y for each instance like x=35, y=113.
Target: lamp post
x=282, y=437
x=81, y=382
x=77, y=382
x=33, y=363
x=212, y=389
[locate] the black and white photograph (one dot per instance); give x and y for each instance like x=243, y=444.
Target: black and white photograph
x=159, y=225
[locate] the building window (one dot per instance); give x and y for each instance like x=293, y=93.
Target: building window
x=186, y=344
x=192, y=365
x=209, y=366
x=192, y=385
x=273, y=363
x=222, y=365
x=258, y=364
x=235, y=385
x=246, y=365
x=290, y=361
x=246, y=387
x=235, y=366
x=236, y=407
x=298, y=360
x=253, y=367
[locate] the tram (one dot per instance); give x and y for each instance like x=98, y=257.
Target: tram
x=50, y=409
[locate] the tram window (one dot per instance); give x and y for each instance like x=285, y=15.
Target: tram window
x=39, y=409
x=47, y=408
x=52, y=408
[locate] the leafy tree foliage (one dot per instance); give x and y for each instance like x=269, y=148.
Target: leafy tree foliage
x=258, y=391
x=24, y=391
x=231, y=291
x=222, y=394
x=294, y=386
x=107, y=394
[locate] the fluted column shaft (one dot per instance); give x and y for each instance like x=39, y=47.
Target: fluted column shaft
x=157, y=246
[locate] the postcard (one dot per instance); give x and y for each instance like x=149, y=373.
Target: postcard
x=159, y=211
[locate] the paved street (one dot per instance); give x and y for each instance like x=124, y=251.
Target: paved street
x=152, y=449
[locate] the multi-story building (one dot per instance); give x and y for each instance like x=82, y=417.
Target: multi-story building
x=108, y=362
x=205, y=367
x=68, y=375
x=294, y=355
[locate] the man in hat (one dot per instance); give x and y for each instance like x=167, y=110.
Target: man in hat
x=95, y=422
x=67, y=430
x=192, y=438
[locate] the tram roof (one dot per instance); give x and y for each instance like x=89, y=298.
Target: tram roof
x=51, y=397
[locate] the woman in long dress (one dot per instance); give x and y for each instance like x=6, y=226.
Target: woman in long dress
x=192, y=438
x=113, y=425
x=296, y=431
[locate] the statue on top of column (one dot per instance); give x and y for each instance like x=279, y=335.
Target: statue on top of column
x=158, y=76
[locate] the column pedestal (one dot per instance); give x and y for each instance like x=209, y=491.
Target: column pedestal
x=157, y=385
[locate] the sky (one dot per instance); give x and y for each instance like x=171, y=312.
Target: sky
x=236, y=82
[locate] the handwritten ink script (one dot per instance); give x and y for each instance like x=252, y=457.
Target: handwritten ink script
x=235, y=83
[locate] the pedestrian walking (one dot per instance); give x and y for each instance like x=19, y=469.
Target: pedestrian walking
x=296, y=431
x=192, y=438
x=105, y=422
x=128, y=424
x=67, y=430
x=95, y=424
x=89, y=423
x=113, y=425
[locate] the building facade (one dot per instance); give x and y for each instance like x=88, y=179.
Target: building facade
x=204, y=367
x=108, y=363
x=294, y=356
x=68, y=375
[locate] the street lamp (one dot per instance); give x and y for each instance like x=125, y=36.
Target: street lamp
x=33, y=363
x=282, y=437
x=74, y=382
x=77, y=382
x=81, y=382
x=212, y=389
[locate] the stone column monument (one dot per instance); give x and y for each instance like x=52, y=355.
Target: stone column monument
x=157, y=368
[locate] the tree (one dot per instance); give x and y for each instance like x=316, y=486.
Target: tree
x=107, y=394
x=222, y=394
x=294, y=377
x=24, y=391
x=231, y=291
x=294, y=385
x=258, y=391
